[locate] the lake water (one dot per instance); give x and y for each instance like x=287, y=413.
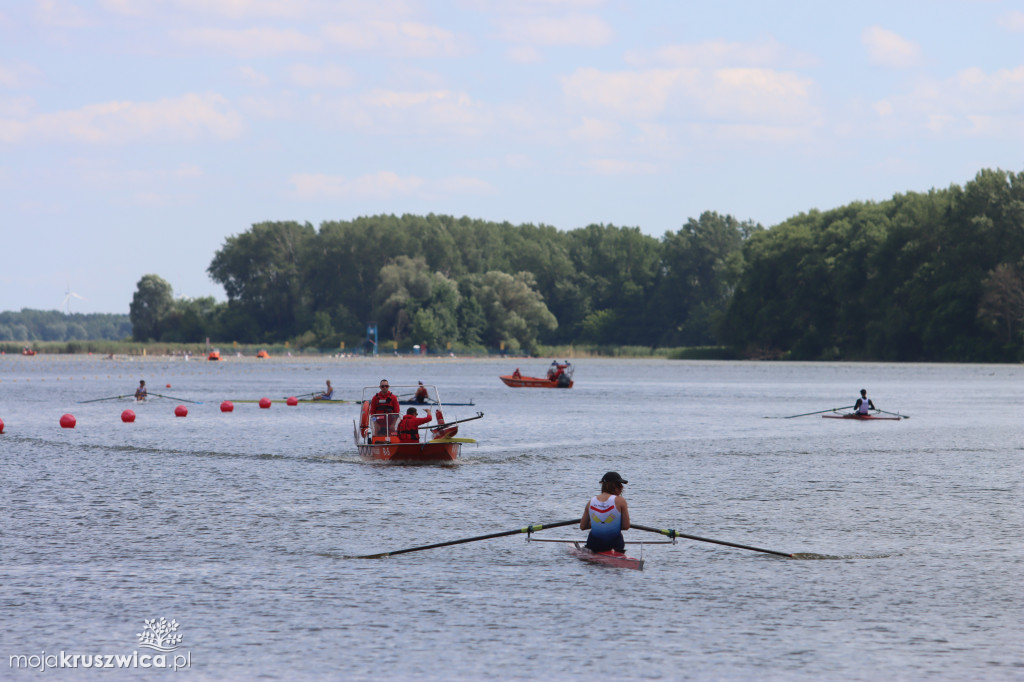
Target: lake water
x=237, y=526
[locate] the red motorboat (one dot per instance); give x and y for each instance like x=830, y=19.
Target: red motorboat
x=559, y=376
x=377, y=438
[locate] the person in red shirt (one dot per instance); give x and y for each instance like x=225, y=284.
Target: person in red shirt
x=385, y=403
x=408, y=428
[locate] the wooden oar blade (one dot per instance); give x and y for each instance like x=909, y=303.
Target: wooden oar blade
x=526, y=529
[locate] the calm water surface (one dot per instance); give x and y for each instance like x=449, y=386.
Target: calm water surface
x=237, y=526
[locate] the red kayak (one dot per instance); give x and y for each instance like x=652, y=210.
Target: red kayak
x=861, y=417
x=609, y=558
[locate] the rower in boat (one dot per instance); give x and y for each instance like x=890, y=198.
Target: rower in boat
x=421, y=394
x=606, y=516
x=141, y=393
x=863, y=403
x=326, y=395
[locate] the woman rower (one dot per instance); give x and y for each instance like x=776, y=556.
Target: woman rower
x=606, y=516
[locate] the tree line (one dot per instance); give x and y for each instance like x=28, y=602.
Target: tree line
x=52, y=325
x=457, y=282
x=922, y=276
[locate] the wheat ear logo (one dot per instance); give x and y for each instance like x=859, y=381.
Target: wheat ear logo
x=160, y=635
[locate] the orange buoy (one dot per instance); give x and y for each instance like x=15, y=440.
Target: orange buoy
x=128, y=416
x=264, y=403
x=227, y=406
x=68, y=421
x=180, y=411
x=292, y=400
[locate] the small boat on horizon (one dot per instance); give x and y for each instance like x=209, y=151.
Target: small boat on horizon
x=559, y=376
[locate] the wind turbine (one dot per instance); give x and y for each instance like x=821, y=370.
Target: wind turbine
x=67, y=299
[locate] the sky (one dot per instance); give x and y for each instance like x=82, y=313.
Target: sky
x=136, y=136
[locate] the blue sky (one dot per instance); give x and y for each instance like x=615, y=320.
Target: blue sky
x=137, y=135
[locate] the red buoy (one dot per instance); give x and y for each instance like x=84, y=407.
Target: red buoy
x=227, y=406
x=292, y=400
x=264, y=403
x=168, y=385
x=180, y=411
x=128, y=416
x=1, y=425
x=68, y=421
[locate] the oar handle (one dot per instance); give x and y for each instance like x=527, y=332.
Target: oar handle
x=676, y=534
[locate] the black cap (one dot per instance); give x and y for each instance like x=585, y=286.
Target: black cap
x=613, y=477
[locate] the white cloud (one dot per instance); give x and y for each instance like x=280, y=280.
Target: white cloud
x=188, y=117
x=972, y=103
x=886, y=48
x=396, y=39
x=328, y=75
x=633, y=94
x=254, y=77
x=382, y=185
x=580, y=30
x=592, y=129
x=250, y=42
x=1013, y=21
x=721, y=53
x=430, y=112
x=524, y=54
x=621, y=167
x=758, y=95
x=60, y=14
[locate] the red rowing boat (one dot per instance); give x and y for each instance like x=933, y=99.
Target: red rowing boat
x=610, y=558
x=861, y=417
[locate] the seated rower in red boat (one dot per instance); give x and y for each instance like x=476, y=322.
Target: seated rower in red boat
x=408, y=428
x=606, y=516
x=421, y=393
x=517, y=374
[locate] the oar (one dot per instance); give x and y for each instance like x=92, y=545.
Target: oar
x=447, y=424
x=895, y=414
x=805, y=414
x=96, y=400
x=171, y=397
x=526, y=529
x=303, y=395
x=676, y=534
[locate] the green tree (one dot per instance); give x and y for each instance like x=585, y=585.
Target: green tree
x=150, y=306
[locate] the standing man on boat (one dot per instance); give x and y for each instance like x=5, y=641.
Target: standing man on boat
x=863, y=403
x=384, y=402
x=326, y=395
x=408, y=428
x=141, y=393
x=606, y=516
